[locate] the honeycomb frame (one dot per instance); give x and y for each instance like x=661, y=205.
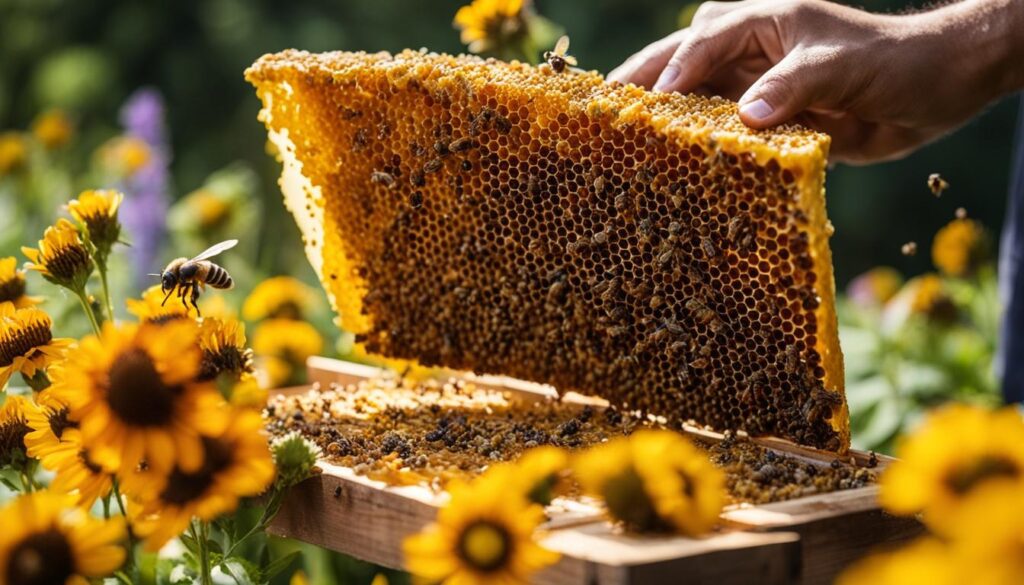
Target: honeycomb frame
x=502, y=218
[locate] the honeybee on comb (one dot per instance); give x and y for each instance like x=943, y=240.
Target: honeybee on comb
x=189, y=276
x=559, y=57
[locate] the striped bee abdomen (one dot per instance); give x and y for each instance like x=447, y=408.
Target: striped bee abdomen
x=217, y=277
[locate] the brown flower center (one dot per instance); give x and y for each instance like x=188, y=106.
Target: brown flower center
x=485, y=546
x=13, y=289
x=12, y=440
x=961, y=480
x=136, y=392
x=183, y=488
x=68, y=262
x=43, y=558
x=286, y=310
x=83, y=456
x=18, y=341
x=167, y=318
x=60, y=421
x=230, y=358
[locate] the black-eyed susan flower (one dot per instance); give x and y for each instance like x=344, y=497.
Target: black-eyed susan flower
x=295, y=456
x=45, y=540
x=280, y=297
x=13, y=428
x=654, y=480
x=47, y=419
x=957, y=450
x=988, y=537
x=540, y=474
x=12, y=285
x=150, y=308
x=134, y=393
x=482, y=535
x=13, y=152
x=62, y=257
x=282, y=347
x=960, y=248
x=75, y=472
x=96, y=213
x=124, y=155
x=27, y=344
x=52, y=129
x=925, y=297
x=489, y=25
x=236, y=464
x=224, y=350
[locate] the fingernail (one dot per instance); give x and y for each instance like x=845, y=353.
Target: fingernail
x=668, y=76
x=757, y=109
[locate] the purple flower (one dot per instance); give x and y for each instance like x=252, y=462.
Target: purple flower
x=144, y=211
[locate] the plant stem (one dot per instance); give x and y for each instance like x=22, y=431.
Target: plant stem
x=82, y=298
x=201, y=536
x=101, y=267
x=115, y=491
x=273, y=506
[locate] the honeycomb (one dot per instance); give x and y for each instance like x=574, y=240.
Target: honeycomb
x=428, y=433
x=502, y=218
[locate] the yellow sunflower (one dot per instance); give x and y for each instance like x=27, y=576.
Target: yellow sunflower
x=54, y=439
x=152, y=309
x=989, y=536
x=925, y=562
x=13, y=152
x=248, y=393
x=875, y=287
x=540, y=474
x=124, y=155
x=960, y=247
x=52, y=129
x=135, y=395
x=45, y=542
x=224, y=351
x=957, y=450
x=654, y=480
x=280, y=297
x=96, y=212
x=487, y=24
x=12, y=285
x=236, y=464
x=283, y=346
x=483, y=535
x=26, y=342
x=62, y=257
x=13, y=428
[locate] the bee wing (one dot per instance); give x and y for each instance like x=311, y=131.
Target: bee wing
x=570, y=60
x=562, y=45
x=215, y=249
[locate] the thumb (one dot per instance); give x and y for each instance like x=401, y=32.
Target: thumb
x=803, y=78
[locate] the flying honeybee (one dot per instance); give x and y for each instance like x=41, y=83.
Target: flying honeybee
x=189, y=276
x=559, y=58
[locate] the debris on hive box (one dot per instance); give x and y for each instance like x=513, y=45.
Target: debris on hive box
x=429, y=432
x=644, y=247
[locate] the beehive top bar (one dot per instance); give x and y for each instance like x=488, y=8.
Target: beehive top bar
x=497, y=217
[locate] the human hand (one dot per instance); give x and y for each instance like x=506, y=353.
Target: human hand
x=880, y=85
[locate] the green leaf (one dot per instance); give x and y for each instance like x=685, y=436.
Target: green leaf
x=190, y=543
x=279, y=564
x=882, y=424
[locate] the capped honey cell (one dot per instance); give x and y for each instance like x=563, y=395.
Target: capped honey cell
x=644, y=247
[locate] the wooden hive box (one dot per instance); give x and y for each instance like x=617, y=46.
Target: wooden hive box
x=806, y=540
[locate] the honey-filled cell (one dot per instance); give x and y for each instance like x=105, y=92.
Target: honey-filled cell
x=643, y=247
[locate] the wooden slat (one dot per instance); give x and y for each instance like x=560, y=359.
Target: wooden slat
x=347, y=513
x=368, y=519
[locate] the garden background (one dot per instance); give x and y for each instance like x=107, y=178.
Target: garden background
x=87, y=59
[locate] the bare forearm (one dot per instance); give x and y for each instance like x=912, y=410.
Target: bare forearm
x=984, y=39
